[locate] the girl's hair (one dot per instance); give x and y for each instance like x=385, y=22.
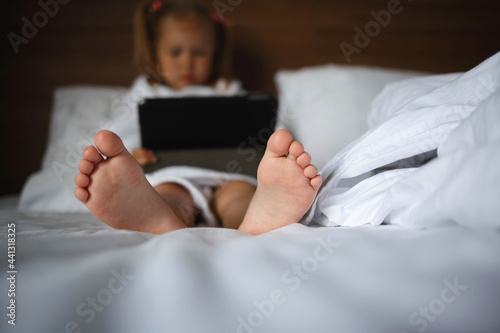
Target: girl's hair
x=147, y=19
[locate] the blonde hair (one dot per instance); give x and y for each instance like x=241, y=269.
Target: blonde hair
x=147, y=19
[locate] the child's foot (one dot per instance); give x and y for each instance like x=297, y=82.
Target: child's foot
x=287, y=186
x=116, y=191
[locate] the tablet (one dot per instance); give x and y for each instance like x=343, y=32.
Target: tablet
x=207, y=122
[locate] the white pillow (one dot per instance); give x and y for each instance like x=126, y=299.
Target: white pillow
x=326, y=106
x=78, y=113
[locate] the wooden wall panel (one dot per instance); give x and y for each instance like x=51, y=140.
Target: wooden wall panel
x=90, y=42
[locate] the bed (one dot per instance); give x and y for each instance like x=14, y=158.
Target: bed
x=403, y=236
x=417, y=249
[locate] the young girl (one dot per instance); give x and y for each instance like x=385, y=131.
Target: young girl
x=183, y=50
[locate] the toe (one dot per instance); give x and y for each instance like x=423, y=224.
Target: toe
x=85, y=167
x=316, y=182
x=92, y=155
x=108, y=143
x=82, y=194
x=310, y=171
x=304, y=160
x=296, y=148
x=82, y=180
x=279, y=143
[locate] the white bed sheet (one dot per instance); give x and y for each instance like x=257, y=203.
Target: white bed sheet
x=357, y=279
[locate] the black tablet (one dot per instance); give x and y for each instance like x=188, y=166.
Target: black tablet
x=207, y=122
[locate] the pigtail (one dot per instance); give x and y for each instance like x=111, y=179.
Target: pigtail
x=222, y=62
x=144, y=40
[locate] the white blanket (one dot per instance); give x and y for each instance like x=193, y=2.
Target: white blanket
x=456, y=114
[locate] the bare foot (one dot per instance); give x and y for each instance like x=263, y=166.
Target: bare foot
x=116, y=191
x=287, y=186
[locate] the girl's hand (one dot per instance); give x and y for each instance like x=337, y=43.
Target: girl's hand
x=144, y=156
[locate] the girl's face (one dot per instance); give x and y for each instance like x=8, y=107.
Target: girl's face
x=184, y=52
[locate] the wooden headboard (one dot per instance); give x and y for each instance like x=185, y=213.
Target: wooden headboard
x=90, y=42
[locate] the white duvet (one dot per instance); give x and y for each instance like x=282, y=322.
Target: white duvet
x=457, y=114
x=427, y=271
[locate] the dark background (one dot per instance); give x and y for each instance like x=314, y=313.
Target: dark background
x=90, y=42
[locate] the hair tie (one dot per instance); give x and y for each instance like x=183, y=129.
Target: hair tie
x=225, y=22
x=155, y=6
